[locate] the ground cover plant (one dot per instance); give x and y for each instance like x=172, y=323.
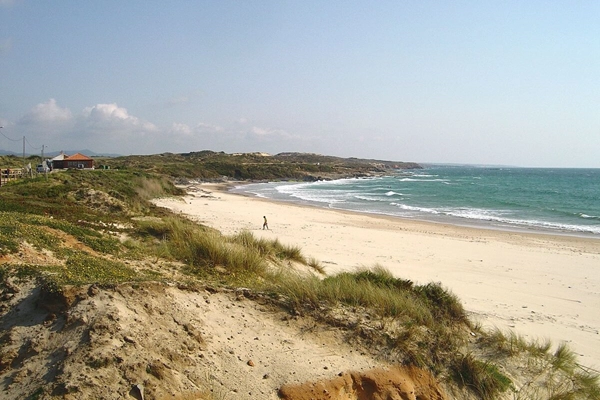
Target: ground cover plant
x=98, y=227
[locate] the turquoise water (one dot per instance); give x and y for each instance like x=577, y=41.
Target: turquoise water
x=563, y=201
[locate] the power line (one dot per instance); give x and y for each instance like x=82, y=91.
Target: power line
x=24, y=141
x=33, y=147
x=14, y=140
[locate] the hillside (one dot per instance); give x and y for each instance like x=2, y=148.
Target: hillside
x=256, y=166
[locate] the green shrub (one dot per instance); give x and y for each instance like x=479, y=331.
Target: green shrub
x=441, y=302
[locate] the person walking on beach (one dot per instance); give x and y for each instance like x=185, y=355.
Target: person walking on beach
x=265, y=225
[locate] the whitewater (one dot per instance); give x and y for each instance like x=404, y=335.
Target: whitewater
x=555, y=200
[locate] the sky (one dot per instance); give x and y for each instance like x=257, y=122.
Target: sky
x=469, y=82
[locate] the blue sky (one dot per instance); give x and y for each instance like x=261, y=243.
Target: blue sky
x=506, y=82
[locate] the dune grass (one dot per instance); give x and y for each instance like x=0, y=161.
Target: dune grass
x=379, y=290
x=511, y=344
x=551, y=374
x=482, y=377
x=208, y=253
x=272, y=249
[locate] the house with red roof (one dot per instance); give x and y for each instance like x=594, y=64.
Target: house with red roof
x=77, y=160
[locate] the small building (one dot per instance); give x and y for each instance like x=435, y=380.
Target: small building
x=78, y=160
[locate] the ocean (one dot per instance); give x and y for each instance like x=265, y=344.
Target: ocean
x=561, y=201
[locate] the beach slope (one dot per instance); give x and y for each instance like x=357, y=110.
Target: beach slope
x=541, y=286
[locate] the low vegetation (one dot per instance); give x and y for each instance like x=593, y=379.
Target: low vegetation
x=12, y=161
x=210, y=165
x=121, y=237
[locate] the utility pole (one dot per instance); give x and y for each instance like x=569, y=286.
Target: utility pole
x=44, y=164
x=1, y=170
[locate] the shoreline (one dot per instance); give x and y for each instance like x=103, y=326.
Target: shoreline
x=539, y=285
x=444, y=220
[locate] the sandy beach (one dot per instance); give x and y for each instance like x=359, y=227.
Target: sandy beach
x=541, y=286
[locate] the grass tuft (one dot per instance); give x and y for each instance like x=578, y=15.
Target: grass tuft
x=483, y=378
x=564, y=359
x=316, y=265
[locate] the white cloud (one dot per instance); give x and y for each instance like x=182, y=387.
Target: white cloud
x=44, y=123
x=109, y=128
x=264, y=133
x=208, y=128
x=260, y=131
x=101, y=128
x=179, y=129
x=44, y=113
x=106, y=112
x=112, y=120
x=199, y=130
